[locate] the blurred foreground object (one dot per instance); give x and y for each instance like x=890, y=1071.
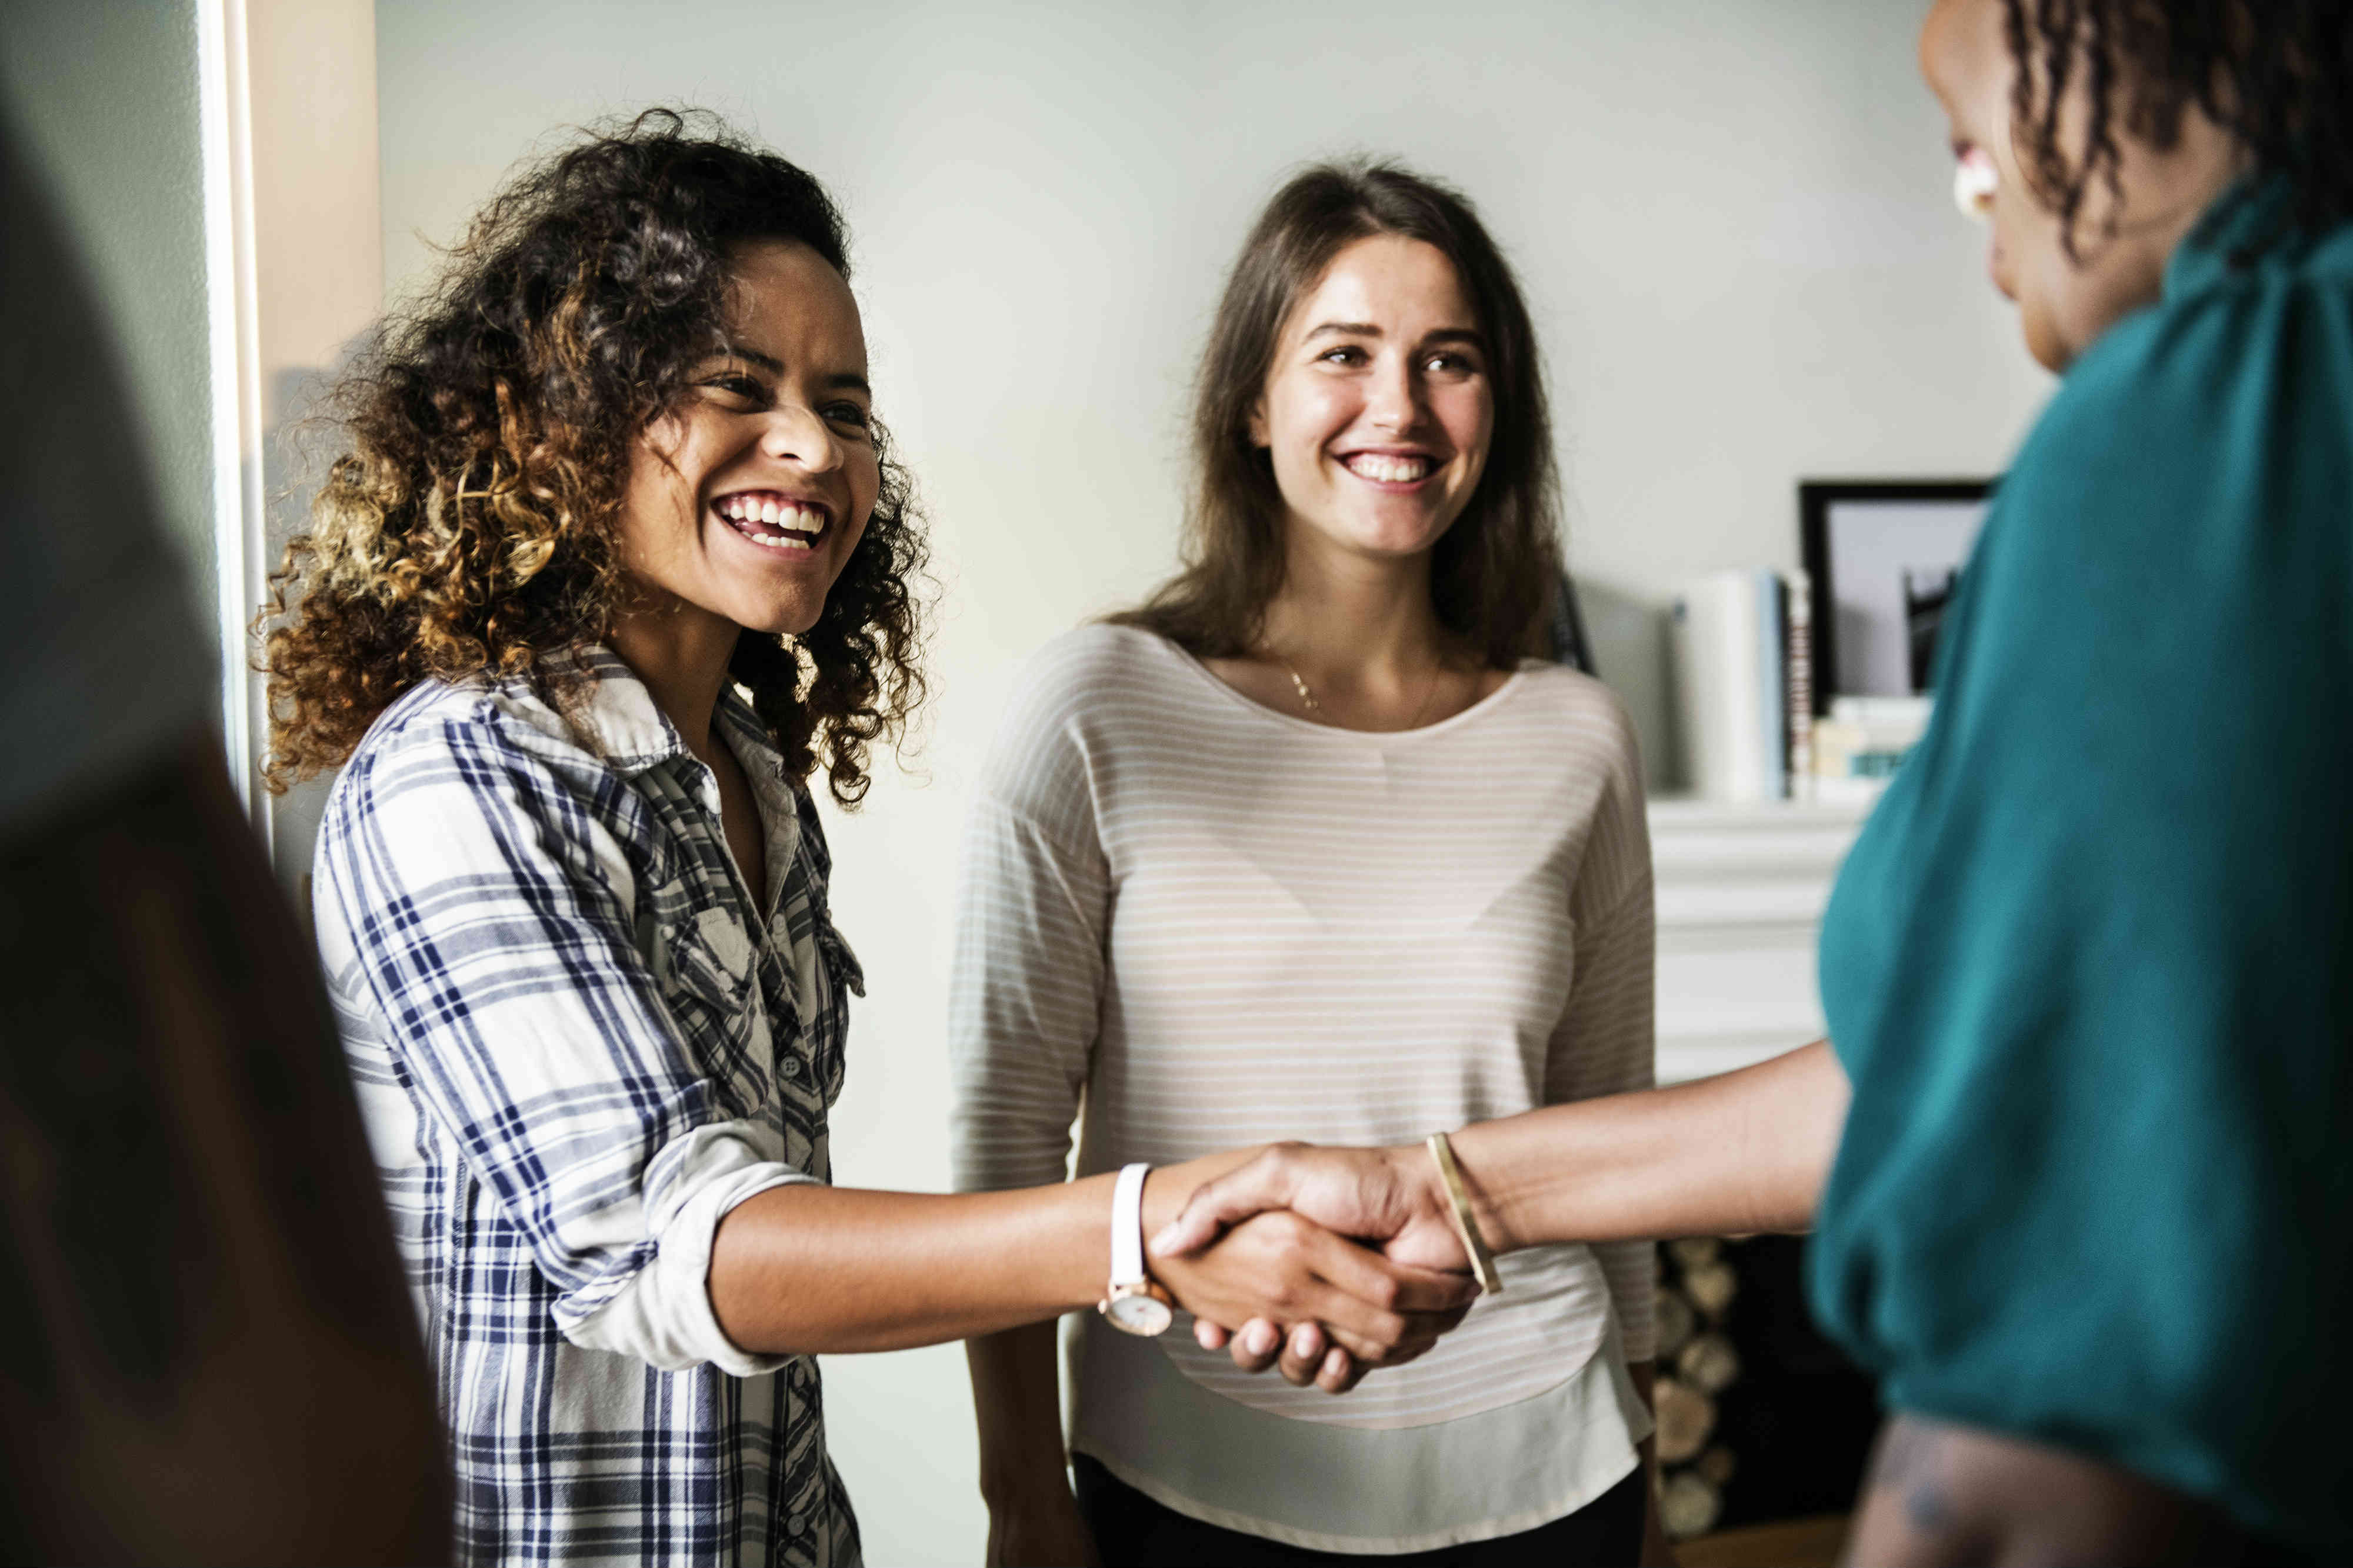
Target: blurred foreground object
x=206, y=1353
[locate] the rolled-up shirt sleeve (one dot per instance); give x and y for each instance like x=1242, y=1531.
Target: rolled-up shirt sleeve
x=663, y=1315
x=494, y=914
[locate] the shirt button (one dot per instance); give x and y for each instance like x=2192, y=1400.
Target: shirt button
x=795, y=1525
x=790, y=1066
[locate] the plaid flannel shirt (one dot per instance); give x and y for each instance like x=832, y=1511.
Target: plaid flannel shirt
x=577, y=1045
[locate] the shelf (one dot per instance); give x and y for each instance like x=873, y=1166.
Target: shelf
x=1697, y=811
x=1682, y=1058
x=1719, y=845
x=1793, y=901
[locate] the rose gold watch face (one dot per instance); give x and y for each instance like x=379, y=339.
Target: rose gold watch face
x=1139, y=1314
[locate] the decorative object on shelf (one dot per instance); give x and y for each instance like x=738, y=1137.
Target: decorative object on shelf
x=1883, y=556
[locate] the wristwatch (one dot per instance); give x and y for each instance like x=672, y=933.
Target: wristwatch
x=1135, y=1304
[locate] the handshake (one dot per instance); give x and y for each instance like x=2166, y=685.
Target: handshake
x=1325, y=1263
x=1333, y=1261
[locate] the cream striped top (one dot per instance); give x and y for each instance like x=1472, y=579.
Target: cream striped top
x=1225, y=925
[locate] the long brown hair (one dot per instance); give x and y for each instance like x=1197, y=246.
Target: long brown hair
x=468, y=523
x=1493, y=574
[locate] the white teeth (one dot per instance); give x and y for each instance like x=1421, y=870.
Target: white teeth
x=1383, y=470
x=779, y=541
x=772, y=512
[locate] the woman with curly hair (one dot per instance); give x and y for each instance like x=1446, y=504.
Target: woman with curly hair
x=2074, y=1155
x=615, y=560
x=1316, y=844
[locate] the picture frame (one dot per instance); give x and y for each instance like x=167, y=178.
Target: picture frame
x=1882, y=556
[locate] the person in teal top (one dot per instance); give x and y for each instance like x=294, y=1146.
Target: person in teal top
x=2090, y=966
x=2079, y=1153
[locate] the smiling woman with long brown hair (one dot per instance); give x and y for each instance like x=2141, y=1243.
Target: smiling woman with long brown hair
x=1313, y=845
x=615, y=561
x=2073, y=1156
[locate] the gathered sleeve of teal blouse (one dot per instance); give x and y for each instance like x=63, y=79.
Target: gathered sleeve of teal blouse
x=2090, y=966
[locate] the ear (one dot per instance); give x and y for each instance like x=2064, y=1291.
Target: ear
x=1258, y=436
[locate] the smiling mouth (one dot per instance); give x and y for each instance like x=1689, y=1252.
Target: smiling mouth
x=1387, y=468
x=773, y=520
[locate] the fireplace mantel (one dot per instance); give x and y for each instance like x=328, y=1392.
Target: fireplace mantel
x=1740, y=895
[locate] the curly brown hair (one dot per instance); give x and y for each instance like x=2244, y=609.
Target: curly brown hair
x=470, y=522
x=1492, y=574
x=2276, y=74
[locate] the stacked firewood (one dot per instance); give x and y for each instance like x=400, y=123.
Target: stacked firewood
x=1696, y=1363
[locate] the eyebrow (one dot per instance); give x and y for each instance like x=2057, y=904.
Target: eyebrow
x=1368, y=330
x=840, y=381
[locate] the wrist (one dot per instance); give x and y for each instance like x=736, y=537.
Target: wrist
x=1029, y=1486
x=1474, y=1162
x=1165, y=1188
x=1133, y=1301
x=1414, y=1175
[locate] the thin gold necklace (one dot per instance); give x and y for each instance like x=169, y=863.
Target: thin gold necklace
x=1307, y=698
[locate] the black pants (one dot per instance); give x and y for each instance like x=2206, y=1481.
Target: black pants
x=1134, y=1532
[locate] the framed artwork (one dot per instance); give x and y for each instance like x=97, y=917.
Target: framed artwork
x=1883, y=555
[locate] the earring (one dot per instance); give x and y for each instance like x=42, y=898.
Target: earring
x=1975, y=179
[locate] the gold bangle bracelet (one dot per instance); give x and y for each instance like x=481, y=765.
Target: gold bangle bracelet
x=1466, y=1229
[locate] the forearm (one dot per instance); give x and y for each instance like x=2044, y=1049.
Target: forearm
x=1742, y=1153
x=809, y=1269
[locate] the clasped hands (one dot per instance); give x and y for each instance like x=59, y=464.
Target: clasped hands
x=1325, y=1263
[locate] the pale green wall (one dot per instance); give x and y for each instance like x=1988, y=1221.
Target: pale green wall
x=102, y=94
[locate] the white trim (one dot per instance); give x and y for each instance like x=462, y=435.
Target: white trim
x=225, y=106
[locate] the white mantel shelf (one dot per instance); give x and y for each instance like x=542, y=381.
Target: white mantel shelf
x=1741, y=888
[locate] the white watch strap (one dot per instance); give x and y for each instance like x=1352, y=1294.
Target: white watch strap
x=1127, y=1227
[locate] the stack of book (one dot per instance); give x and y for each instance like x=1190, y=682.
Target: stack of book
x=1744, y=683
x=1856, y=749
x=1746, y=693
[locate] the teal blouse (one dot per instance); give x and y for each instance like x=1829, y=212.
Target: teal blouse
x=2090, y=966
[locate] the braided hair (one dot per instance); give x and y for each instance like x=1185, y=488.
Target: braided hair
x=2278, y=75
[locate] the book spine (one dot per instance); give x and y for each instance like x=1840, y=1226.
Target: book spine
x=1772, y=721
x=1798, y=664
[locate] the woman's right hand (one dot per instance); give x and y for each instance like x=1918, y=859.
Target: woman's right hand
x=1040, y=1528
x=1284, y=1270
x=1391, y=1196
